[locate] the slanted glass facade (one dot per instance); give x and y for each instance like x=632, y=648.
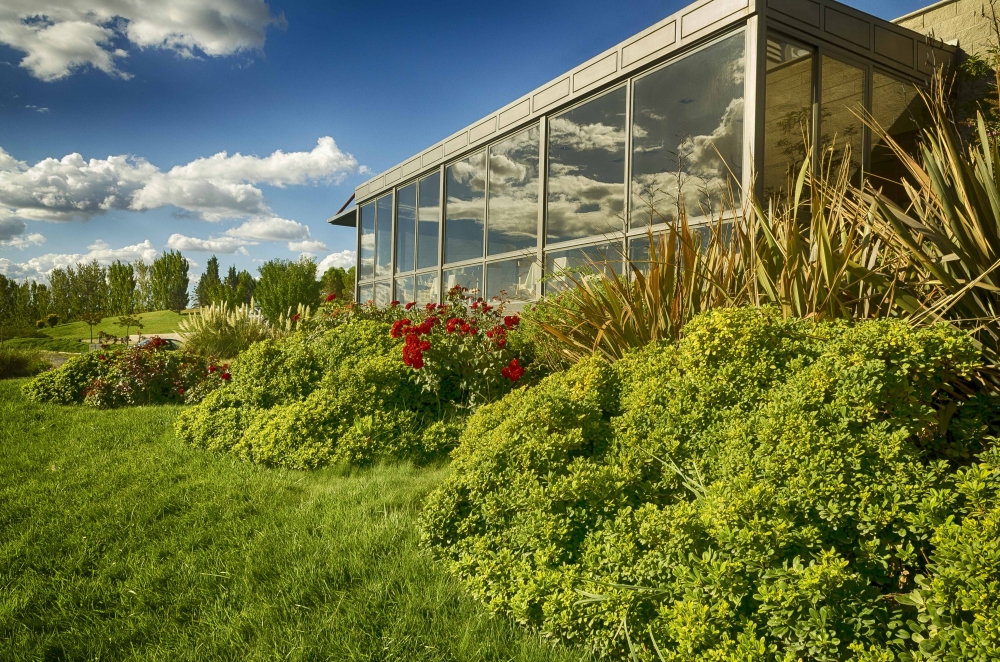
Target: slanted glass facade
x=679, y=121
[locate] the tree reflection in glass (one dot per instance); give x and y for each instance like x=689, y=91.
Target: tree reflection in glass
x=514, y=280
x=367, y=261
x=465, y=209
x=687, y=134
x=787, y=114
x=842, y=131
x=513, y=201
x=581, y=262
x=586, y=186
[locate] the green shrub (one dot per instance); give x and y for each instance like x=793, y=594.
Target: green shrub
x=760, y=490
x=20, y=362
x=221, y=330
x=67, y=384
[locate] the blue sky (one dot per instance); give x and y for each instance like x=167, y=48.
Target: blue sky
x=151, y=97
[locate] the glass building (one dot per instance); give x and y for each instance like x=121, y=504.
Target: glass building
x=674, y=118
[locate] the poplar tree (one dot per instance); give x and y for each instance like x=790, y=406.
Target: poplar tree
x=283, y=285
x=209, y=289
x=121, y=285
x=169, y=278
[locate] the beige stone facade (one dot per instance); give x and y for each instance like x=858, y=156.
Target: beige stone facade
x=966, y=23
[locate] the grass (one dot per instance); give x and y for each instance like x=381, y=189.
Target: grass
x=46, y=344
x=160, y=321
x=20, y=362
x=118, y=542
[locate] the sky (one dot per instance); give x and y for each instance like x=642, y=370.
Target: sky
x=237, y=127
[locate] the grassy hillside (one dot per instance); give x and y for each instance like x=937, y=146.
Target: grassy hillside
x=47, y=344
x=118, y=542
x=160, y=321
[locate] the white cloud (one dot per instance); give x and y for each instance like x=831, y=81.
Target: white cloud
x=214, y=188
x=39, y=268
x=344, y=259
x=270, y=229
x=59, y=37
x=12, y=232
x=224, y=245
x=311, y=246
x=37, y=109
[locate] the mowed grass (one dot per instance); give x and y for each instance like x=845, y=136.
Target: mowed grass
x=160, y=321
x=47, y=344
x=117, y=542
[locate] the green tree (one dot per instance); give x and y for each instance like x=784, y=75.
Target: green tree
x=128, y=322
x=169, y=282
x=143, y=287
x=337, y=280
x=90, y=294
x=209, y=288
x=283, y=285
x=61, y=293
x=51, y=319
x=121, y=285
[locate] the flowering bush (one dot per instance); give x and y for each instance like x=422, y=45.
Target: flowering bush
x=121, y=377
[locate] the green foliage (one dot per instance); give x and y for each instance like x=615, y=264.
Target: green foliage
x=20, y=361
x=219, y=330
x=209, y=288
x=760, y=490
x=339, y=282
x=66, y=385
x=121, y=288
x=129, y=322
x=326, y=395
x=47, y=344
x=51, y=320
x=284, y=285
x=169, y=282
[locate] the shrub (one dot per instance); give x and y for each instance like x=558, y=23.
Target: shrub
x=20, y=362
x=120, y=378
x=761, y=490
x=221, y=330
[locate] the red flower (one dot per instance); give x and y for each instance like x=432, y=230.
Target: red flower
x=442, y=306
x=330, y=297
x=510, y=321
x=225, y=366
x=410, y=305
x=513, y=371
x=211, y=369
x=399, y=327
x=393, y=303
x=295, y=317
x=413, y=351
x=102, y=357
x=225, y=376
x=475, y=304
x=452, y=324
x=181, y=390
x=431, y=306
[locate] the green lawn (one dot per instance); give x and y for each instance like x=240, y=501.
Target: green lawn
x=118, y=542
x=160, y=321
x=47, y=344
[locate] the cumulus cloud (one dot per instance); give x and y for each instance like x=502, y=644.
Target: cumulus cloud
x=13, y=232
x=344, y=259
x=213, y=188
x=224, y=245
x=310, y=246
x=270, y=229
x=59, y=37
x=39, y=268
x=252, y=233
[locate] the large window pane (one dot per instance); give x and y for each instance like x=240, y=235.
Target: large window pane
x=898, y=109
x=512, y=279
x=427, y=288
x=383, y=237
x=841, y=129
x=465, y=210
x=404, y=290
x=470, y=277
x=366, y=293
x=383, y=293
x=367, y=261
x=581, y=262
x=406, y=226
x=429, y=221
x=787, y=114
x=586, y=187
x=687, y=135
x=513, y=199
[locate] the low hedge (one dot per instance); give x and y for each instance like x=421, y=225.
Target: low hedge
x=767, y=489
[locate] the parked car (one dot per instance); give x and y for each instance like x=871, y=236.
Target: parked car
x=157, y=342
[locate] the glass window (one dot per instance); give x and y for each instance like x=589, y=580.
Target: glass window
x=586, y=187
x=427, y=288
x=701, y=236
x=687, y=135
x=579, y=262
x=383, y=237
x=899, y=110
x=512, y=279
x=404, y=290
x=470, y=277
x=841, y=129
x=383, y=293
x=787, y=114
x=367, y=261
x=429, y=221
x=465, y=209
x=366, y=293
x=512, y=207
x=406, y=227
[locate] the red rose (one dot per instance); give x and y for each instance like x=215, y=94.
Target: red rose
x=513, y=371
x=399, y=327
x=452, y=324
x=295, y=317
x=181, y=390
x=510, y=321
x=431, y=306
x=211, y=369
x=330, y=297
x=410, y=305
x=226, y=375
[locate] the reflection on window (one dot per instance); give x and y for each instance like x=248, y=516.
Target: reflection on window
x=842, y=130
x=512, y=279
x=513, y=199
x=469, y=277
x=383, y=236
x=581, y=262
x=406, y=225
x=687, y=135
x=429, y=220
x=383, y=294
x=367, y=261
x=427, y=288
x=897, y=108
x=465, y=209
x=366, y=293
x=404, y=290
x=586, y=186
x=787, y=114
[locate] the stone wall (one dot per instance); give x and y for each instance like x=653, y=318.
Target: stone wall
x=965, y=23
